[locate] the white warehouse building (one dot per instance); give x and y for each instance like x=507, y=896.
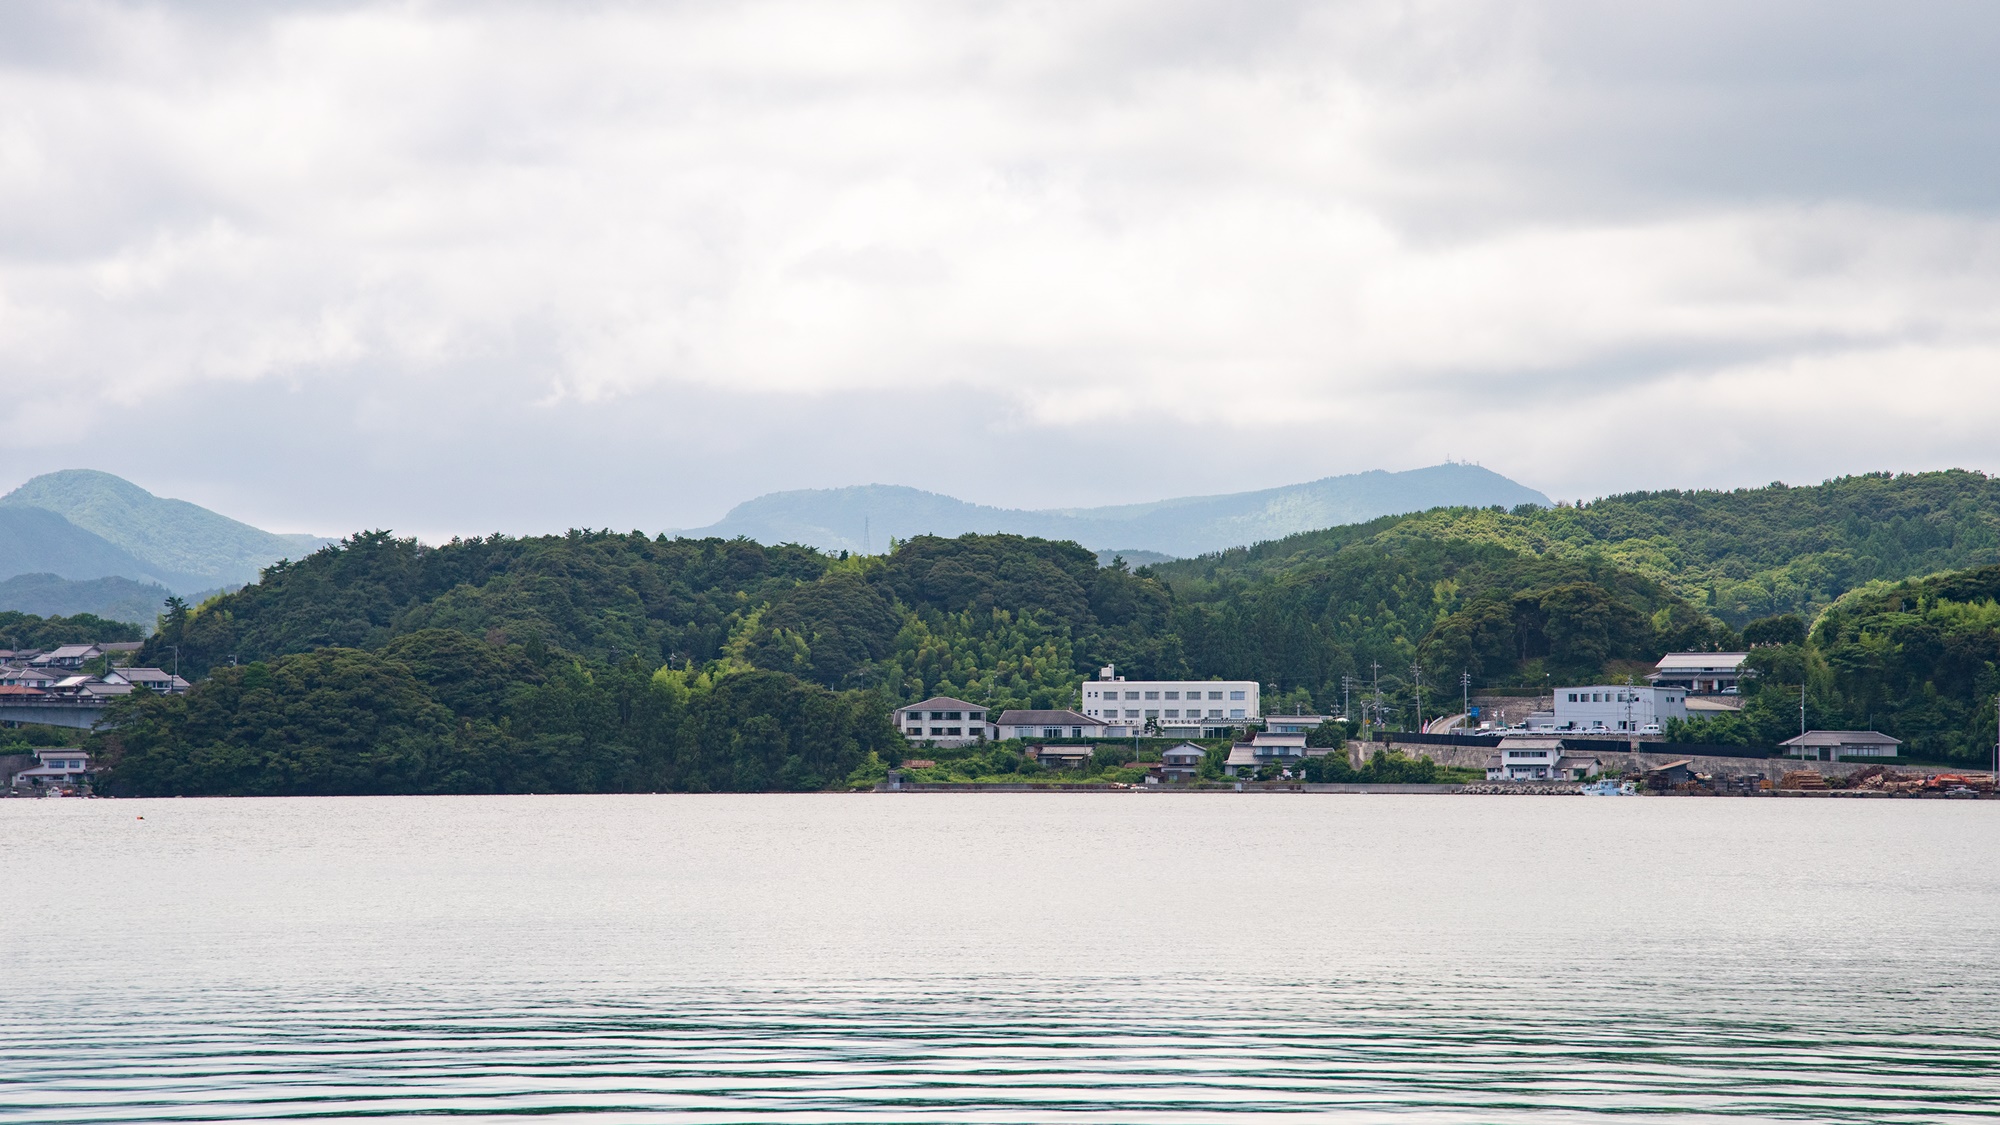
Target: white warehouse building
x=1612, y=707
x=1175, y=708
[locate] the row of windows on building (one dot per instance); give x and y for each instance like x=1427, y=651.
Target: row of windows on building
x=1192, y=694
x=949, y=716
x=1154, y=713
x=942, y=732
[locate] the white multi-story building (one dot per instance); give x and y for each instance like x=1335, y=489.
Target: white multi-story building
x=1612, y=708
x=1174, y=708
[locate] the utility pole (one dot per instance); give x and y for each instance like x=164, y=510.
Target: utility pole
x=1346, y=698
x=1378, y=690
x=1417, y=679
x=1465, y=696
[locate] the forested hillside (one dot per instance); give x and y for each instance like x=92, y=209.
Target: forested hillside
x=26, y=630
x=1918, y=659
x=1739, y=555
x=597, y=660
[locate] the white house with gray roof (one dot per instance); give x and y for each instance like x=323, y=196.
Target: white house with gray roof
x=1834, y=743
x=944, y=721
x=152, y=679
x=1049, y=724
x=1700, y=673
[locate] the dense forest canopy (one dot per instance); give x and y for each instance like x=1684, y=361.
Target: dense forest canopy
x=1918, y=659
x=597, y=660
x=1738, y=555
x=26, y=631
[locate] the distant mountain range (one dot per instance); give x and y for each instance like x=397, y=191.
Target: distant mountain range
x=866, y=517
x=115, y=599
x=65, y=536
x=82, y=541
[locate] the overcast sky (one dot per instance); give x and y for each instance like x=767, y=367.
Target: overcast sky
x=461, y=268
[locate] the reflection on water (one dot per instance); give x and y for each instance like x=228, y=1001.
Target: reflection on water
x=911, y=958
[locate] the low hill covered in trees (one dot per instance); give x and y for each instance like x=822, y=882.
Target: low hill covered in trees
x=1737, y=555
x=1917, y=659
x=600, y=660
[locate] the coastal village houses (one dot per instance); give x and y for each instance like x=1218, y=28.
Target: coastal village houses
x=56, y=675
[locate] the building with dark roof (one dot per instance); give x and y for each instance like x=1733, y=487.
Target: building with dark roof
x=1834, y=743
x=944, y=721
x=1049, y=724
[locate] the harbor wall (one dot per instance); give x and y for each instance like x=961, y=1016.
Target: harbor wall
x=1475, y=757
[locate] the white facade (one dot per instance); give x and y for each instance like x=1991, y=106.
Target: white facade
x=166, y=683
x=1537, y=759
x=1700, y=673
x=1176, y=708
x=1613, y=708
x=944, y=721
x=1180, y=763
x=1843, y=743
x=61, y=768
x=1264, y=748
x=1048, y=724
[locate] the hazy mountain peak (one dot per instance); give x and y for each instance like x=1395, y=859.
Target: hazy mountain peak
x=865, y=517
x=172, y=537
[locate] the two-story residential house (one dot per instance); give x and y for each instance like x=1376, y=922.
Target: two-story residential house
x=60, y=768
x=944, y=721
x=1180, y=763
x=1537, y=759
x=1266, y=748
x=33, y=678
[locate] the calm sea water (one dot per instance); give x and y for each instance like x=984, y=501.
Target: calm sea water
x=1000, y=958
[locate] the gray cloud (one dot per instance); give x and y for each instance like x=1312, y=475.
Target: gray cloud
x=456, y=268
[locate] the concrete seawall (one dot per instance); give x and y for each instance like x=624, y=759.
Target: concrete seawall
x=1474, y=757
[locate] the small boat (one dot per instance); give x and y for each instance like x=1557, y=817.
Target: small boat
x=1610, y=787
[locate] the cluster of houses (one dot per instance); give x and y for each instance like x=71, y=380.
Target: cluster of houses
x=58, y=674
x=1682, y=685
x=1114, y=707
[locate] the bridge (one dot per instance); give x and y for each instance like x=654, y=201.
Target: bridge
x=82, y=714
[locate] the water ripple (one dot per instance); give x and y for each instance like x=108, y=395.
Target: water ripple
x=1094, y=1049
